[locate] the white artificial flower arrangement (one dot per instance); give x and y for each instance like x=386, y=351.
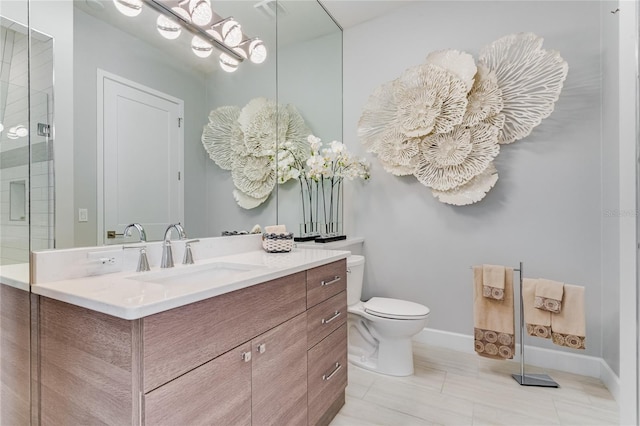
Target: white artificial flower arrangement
x=320, y=172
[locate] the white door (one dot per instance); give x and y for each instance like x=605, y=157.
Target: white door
x=142, y=159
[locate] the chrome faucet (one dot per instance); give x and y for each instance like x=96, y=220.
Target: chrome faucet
x=167, y=253
x=128, y=229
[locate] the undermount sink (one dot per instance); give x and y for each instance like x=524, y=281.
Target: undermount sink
x=199, y=274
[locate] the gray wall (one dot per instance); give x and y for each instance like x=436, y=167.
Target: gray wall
x=546, y=208
x=99, y=45
x=610, y=292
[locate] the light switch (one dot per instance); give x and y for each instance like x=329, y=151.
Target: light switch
x=83, y=215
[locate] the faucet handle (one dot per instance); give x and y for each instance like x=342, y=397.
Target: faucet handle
x=143, y=262
x=188, y=254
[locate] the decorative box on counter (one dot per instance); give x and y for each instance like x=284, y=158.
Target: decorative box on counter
x=277, y=243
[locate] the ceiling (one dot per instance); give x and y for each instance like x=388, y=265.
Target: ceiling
x=349, y=13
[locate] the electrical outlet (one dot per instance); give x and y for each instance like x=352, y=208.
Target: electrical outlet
x=83, y=215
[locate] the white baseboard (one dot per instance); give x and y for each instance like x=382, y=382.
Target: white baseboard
x=610, y=380
x=540, y=357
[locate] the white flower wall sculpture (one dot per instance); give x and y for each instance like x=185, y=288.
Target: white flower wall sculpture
x=443, y=121
x=245, y=141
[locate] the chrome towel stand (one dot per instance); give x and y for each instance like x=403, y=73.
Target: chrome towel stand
x=540, y=380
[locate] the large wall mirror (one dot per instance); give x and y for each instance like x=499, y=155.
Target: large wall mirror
x=133, y=100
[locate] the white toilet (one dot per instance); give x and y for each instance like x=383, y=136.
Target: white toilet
x=380, y=330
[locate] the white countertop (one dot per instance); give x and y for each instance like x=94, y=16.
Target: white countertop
x=16, y=275
x=132, y=295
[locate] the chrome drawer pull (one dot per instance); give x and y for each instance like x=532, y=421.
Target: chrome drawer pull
x=335, y=370
x=261, y=348
x=246, y=356
x=333, y=281
x=334, y=316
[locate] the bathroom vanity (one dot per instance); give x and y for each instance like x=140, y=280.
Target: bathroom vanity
x=265, y=346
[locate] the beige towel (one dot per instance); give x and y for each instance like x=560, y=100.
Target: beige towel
x=494, y=329
x=493, y=277
x=569, y=326
x=276, y=229
x=549, y=295
x=538, y=322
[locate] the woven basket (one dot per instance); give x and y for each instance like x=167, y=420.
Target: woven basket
x=277, y=243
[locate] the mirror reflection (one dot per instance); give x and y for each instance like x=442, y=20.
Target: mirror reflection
x=142, y=97
x=15, y=133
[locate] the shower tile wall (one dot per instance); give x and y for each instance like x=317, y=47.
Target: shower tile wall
x=14, y=153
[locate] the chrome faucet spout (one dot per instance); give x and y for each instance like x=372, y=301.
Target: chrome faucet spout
x=178, y=228
x=128, y=229
x=167, y=253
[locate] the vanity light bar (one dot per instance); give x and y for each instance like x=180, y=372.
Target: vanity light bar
x=165, y=9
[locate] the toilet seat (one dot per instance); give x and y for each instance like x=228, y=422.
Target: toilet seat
x=395, y=309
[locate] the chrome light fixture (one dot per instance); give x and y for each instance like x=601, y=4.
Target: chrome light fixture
x=208, y=29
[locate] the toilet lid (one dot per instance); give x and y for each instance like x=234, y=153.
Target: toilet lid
x=395, y=309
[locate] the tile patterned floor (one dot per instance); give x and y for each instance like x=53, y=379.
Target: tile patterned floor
x=455, y=388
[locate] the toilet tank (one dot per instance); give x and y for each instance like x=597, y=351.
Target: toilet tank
x=355, y=276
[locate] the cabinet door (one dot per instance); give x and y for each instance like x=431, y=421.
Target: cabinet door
x=327, y=376
x=279, y=377
x=216, y=393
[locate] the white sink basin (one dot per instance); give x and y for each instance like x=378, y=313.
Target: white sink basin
x=198, y=274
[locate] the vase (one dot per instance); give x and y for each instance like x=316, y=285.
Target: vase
x=309, y=227
x=331, y=210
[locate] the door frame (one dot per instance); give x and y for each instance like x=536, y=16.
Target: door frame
x=103, y=75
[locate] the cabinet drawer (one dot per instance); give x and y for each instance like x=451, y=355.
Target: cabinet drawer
x=325, y=317
x=326, y=281
x=327, y=373
x=216, y=393
x=183, y=338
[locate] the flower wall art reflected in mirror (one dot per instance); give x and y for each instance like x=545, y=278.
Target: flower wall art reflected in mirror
x=444, y=121
x=264, y=143
x=244, y=141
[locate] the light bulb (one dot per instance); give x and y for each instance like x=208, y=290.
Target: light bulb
x=129, y=8
x=257, y=51
x=201, y=12
x=232, y=33
x=167, y=28
x=18, y=131
x=21, y=131
x=228, y=63
x=200, y=47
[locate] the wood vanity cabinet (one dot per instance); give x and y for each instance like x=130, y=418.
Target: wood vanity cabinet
x=269, y=354
x=327, y=341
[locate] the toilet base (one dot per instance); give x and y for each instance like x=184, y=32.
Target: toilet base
x=393, y=359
